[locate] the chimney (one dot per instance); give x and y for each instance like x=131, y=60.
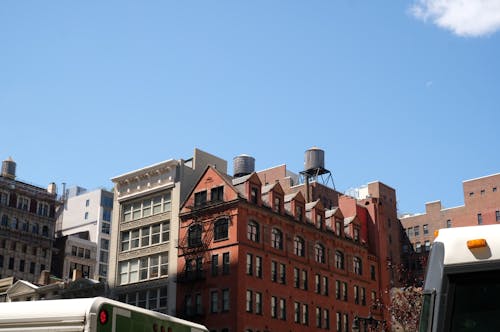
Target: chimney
x=44, y=278
x=9, y=168
x=77, y=274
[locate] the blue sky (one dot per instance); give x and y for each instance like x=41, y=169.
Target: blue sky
x=405, y=92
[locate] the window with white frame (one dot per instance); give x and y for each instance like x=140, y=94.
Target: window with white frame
x=144, y=268
x=43, y=209
x=253, y=231
x=299, y=246
x=23, y=203
x=147, y=207
x=145, y=236
x=4, y=198
x=319, y=253
x=276, y=238
x=357, y=265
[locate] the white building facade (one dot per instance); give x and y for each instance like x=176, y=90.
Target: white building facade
x=143, y=249
x=89, y=211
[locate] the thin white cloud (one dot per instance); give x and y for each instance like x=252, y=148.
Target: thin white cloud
x=469, y=18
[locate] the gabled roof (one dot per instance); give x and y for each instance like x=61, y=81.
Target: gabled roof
x=316, y=204
x=22, y=286
x=336, y=212
x=227, y=179
x=349, y=220
x=272, y=187
x=295, y=196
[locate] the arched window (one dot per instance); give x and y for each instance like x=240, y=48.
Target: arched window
x=339, y=259
x=253, y=231
x=277, y=239
x=221, y=229
x=357, y=265
x=319, y=253
x=194, y=235
x=299, y=247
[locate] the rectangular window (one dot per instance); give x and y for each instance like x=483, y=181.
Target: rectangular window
x=363, y=296
x=217, y=194
x=32, y=266
x=346, y=322
x=409, y=231
x=296, y=312
x=214, y=301
x=249, y=301
x=296, y=277
x=143, y=268
x=479, y=219
x=497, y=215
x=258, y=303
x=344, y=291
x=416, y=230
x=282, y=309
x=426, y=229
x=418, y=247
x=356, y=294
x=106, y=215
x=326, y=319
x=225, y=300
x=427, y=245
x=448, y=223
x=200, y=198
x=274, y=307
x=198, y=303
x=21, y=265
x=258, y=266
x=304, y=280
x=215, y=265
x=274, y=271
x=282, y=275
x=305, y=314
x=165, y=232
x=325, y=285
x=249, y=264
x=254, y=192
x=105, y=227
x=155, y=234
x=317, y=283
x=225, y=263
x=338, y=319
x=318, y=317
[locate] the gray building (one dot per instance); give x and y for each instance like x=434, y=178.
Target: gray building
x=143, y=249
x=90, y=212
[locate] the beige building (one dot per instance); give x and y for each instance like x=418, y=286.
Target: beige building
x=143, y=248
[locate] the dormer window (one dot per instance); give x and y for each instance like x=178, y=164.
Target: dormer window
x=338, y=229
x=277, y=204
x=299, y=212
x=356, y=234
x=254, y=195
x=217, y=194
x=200, y=198
x=319, y=221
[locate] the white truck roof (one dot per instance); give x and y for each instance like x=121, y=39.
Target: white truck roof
x=455, y=240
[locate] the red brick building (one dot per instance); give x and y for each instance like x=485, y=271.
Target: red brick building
x=481, y=207
x=256, y=255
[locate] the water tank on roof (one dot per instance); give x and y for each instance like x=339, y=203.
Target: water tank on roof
x=314, y=159
x=243, y=165
x=9, y=168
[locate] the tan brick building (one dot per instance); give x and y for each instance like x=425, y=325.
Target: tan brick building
x=481, y=207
